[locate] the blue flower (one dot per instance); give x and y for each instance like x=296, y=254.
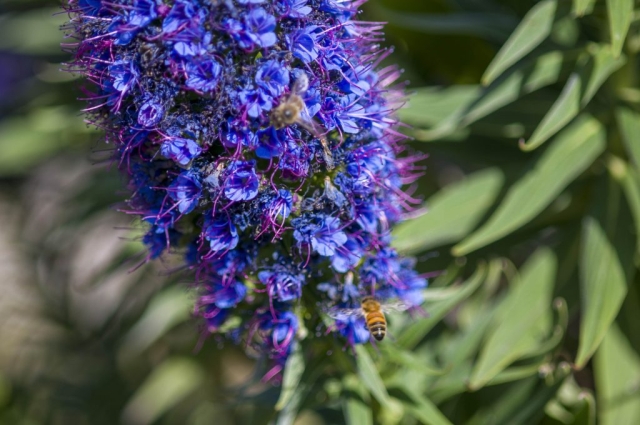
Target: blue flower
x=180, y=150
x=260, y=27
x=186, y=191
x=242, y=182
x=150, y=113
x=221, y=234
x=226, y=295
x=270, y=143
x=273, y=77
x=185, y=91
x=282, y=285
x=304, y=45
x=323, y=233
x=203, y=75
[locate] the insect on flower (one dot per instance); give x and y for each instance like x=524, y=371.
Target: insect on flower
x=290, y=111
x=373, y=312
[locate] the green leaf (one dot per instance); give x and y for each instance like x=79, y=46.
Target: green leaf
x=368, y=373
x=414, y=333
x=33, y=32
x=534, y=28
x=593, y=70
x=571, y=153
x=421, y=407
x=521, y=320
x=565, y=108
x=167, y=309
x=631, y=187
x=515, y=83
x=356, y=412
x=293, y=371
x=603, y=63
x=617, y=376
x=603, y=288
x=629, y=127
x=168, y=385
x=452, y=212
x=429, y=106
x=620, y=14
x=582, y=7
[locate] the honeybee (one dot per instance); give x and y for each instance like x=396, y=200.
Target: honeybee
x=373, y=312
x=290, y=111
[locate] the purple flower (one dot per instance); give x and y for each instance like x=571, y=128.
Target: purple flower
x=226, y=295
x=186, y=91
x=182, y=14
x=203, y=75
x=270, y=143
x=221, y=233
x=281, y=285
x=150, y=113
x=260, y=26
x=304, y=45
x=242, y=182
x=254, y=101
x=186, y=191
x=273, y=77
x=180, y=150
x=297, y=9
x=323, y=233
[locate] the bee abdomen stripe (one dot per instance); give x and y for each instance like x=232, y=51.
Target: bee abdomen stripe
x=375, y=315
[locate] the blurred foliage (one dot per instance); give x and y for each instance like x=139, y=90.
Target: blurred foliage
x=530, y=111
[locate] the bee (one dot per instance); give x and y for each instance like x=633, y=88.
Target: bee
x=373, y=312
x=290, y=111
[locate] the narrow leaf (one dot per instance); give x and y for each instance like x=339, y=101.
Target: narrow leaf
x=620, y=14
x=582, y=7
x=617, y=376
x=534, y=28
x=593, y=70
x=167, y=385
x=565, y=108
x=603, y=288
x=571, y=153
x=452, y=213
x=356, y=412
x=293, y=371
x=370, y=377
x=629, y=126
x=602, y=64
x=415, y=332
x=422, y=408
x=429, y=106
x=521, y=319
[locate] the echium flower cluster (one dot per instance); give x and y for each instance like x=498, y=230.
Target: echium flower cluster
x=272, y=219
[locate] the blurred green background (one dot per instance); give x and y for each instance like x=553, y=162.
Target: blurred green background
x=530, y=112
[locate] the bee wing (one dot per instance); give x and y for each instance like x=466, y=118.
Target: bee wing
x=395, y=306
x=342, y=313
x=301, y=84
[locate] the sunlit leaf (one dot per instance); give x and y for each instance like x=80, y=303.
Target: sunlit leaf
x=414, y=332
x=617, y=375
x=168, y=384
x=571, y=153
x=293, y=371
x=620, y=14
x=356, y=412
x=603, y=287
x=32, y=32
x=582, y=7
x=429, y=106
x=532, y=30
x=452, y=213
x=422, y=408
x=521, y=319
x=369, y=375
x=166, y=310
x=593, y=71
x=629, y=125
